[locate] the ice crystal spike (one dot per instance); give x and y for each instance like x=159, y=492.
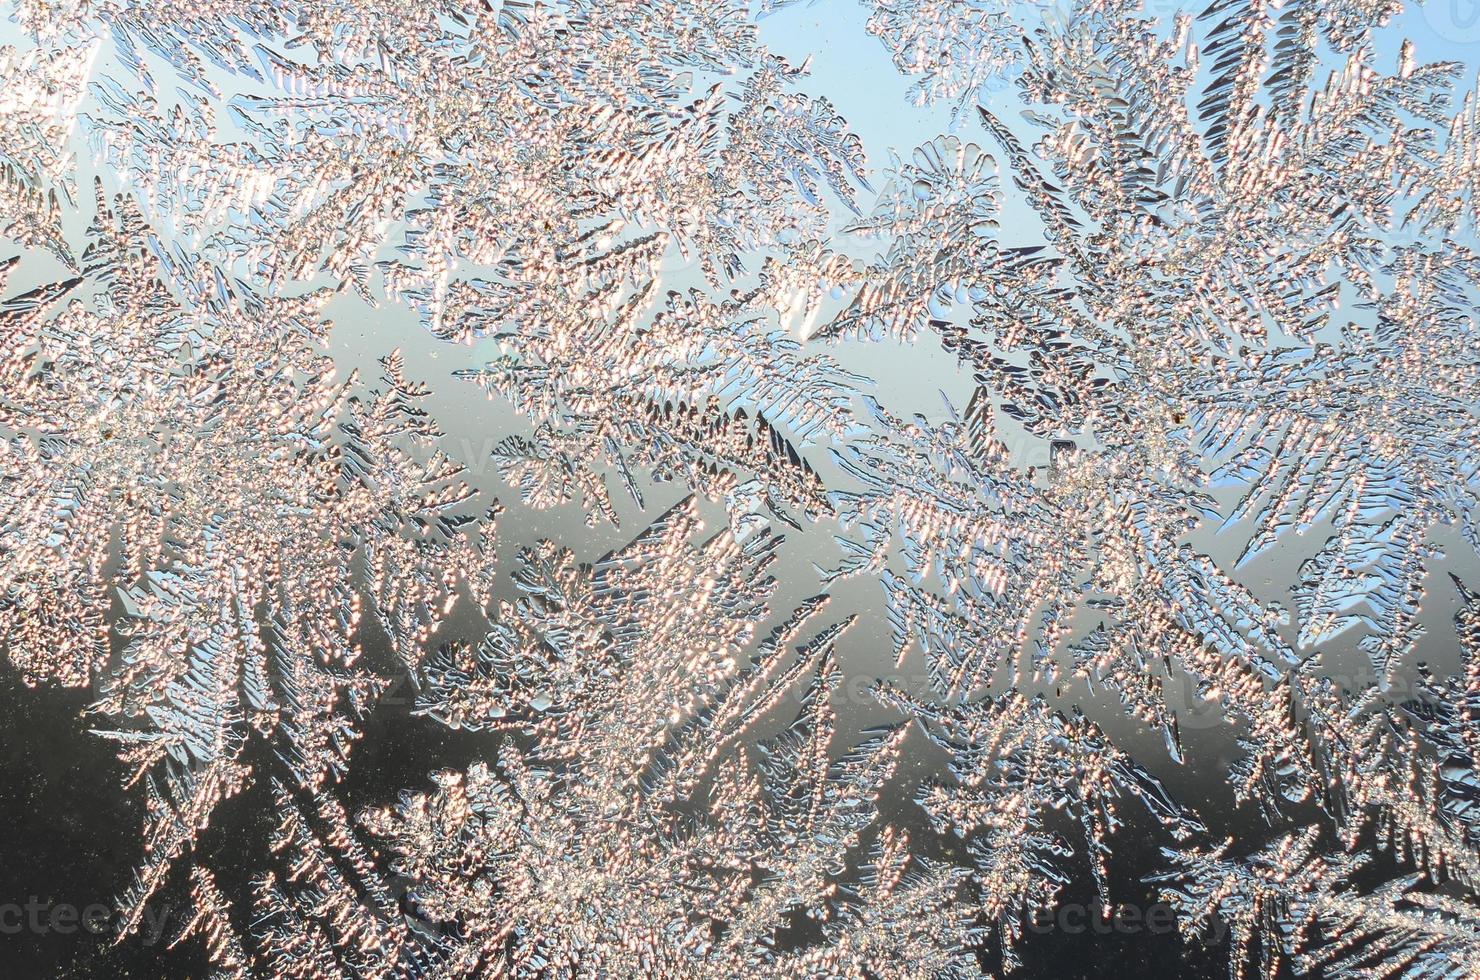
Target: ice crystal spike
x=1264, y=900
x=1396, y=933
x=1287, y=904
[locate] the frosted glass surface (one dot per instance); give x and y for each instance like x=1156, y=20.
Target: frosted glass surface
x=600, y=488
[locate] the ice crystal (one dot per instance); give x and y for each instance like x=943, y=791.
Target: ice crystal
x=1015, y=761
x=700, y=394
x=37, y=117
x=1202, y=314
x=958, y=47
x=629, y=835
x=184, y=449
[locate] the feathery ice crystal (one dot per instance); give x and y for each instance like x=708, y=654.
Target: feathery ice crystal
x=1192, y=546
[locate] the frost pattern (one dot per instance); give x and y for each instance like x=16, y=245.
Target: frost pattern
x=1211, y=296
x=958, y=47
